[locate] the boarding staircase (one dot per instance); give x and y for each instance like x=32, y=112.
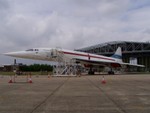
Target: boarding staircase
x=64, y=66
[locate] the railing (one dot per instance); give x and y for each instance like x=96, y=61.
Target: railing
x=63, y=67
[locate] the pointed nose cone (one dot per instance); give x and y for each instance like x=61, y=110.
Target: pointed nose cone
x=15, y=54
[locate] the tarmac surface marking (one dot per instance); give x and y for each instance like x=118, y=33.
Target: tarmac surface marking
x=85, y=94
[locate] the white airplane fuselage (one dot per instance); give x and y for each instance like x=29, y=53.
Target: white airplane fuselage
x=50, y=54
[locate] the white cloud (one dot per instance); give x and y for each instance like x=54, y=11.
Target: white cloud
x=71, y=23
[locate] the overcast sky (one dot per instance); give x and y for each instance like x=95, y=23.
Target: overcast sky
x=70, y=24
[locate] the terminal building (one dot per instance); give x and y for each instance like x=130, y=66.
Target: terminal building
x=133, y=52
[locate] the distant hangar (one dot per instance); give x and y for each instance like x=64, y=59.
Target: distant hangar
x=133, y=52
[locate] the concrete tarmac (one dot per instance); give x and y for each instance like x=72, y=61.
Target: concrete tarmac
x=85, y=94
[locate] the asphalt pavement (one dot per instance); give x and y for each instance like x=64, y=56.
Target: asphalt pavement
x=85, y=94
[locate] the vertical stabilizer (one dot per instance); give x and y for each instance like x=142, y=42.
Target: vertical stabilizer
x=118, y=54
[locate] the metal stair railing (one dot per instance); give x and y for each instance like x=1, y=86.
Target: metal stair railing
x=63, y=67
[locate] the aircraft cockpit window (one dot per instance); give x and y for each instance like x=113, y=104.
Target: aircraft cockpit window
x=36, y=50
x=32, y=50
x=29, y=50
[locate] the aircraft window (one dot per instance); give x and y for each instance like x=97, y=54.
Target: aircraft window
x=36, y=50
x=32, y=50
x=29, y=50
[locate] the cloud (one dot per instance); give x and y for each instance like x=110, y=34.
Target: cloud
x=71, y=24
x=4, y=6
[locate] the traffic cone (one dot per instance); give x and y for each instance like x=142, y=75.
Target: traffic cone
x=10, y=81
x=48, y=76
x=103, y=80
x=30, y=80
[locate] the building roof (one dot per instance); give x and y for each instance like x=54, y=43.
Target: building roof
x=112, y=43
x=110, y=47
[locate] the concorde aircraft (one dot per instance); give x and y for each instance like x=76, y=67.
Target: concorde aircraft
x=87, y=59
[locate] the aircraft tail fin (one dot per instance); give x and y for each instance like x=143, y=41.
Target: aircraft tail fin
x=118, y=54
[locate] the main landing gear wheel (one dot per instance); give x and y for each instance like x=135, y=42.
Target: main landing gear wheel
x=91, y=72
x=111, y=72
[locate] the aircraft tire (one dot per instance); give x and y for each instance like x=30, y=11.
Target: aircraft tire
x=111, y=72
